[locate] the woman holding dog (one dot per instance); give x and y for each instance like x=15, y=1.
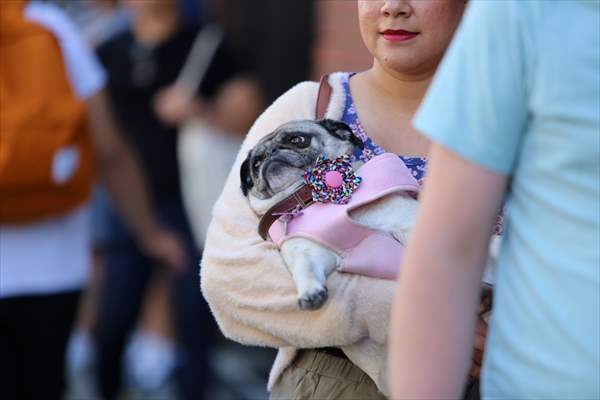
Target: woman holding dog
x=339, y=350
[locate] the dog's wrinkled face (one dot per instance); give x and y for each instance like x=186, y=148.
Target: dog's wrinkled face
x=279, y=160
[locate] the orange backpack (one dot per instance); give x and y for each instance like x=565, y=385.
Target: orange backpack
x=46, y=159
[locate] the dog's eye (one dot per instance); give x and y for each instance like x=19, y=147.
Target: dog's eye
x=299, y=141
x=257, y=160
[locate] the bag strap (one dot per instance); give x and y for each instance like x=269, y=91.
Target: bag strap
x=323, y=97
x=199, y=59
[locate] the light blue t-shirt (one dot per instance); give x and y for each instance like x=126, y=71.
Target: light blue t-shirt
x=519, y=93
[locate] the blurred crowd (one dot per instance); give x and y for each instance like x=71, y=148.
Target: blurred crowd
x=176, y=84
x=121, y=121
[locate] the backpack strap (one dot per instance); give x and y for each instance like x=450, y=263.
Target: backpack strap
x=323, y=97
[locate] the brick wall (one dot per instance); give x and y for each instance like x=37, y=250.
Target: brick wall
x=338, y=45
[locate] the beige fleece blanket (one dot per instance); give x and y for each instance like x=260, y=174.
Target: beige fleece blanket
x=252, y=294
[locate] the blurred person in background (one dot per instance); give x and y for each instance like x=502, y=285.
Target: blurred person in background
x=55, y=124
x=211, y=128
x=98, y=20
x=150, y=355
x=141, y=63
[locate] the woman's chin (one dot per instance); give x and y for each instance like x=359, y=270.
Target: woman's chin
x=407, y=66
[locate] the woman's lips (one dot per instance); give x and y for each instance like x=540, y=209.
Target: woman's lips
x=398, y=35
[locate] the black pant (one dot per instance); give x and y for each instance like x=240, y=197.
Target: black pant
x=33, y=336
x=472, y=391
x=126, y=274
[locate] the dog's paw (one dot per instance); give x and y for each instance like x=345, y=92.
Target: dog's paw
x=313, y=300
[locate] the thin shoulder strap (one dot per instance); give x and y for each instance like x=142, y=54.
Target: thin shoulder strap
x=199, y=59
x=323, y=97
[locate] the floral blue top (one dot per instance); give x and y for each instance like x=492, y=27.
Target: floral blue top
x=416, y=165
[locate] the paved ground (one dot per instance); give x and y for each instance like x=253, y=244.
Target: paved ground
x=241, y=374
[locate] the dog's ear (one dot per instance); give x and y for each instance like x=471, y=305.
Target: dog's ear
x=245, y=178
x=342, y=131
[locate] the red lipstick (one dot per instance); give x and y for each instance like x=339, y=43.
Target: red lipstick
x=398, y=35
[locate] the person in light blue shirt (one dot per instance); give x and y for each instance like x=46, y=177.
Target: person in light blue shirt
x=514, y=114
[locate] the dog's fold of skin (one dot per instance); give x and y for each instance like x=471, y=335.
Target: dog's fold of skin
x=273, y=170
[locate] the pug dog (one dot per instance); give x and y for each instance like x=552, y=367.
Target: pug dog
x=273, y=170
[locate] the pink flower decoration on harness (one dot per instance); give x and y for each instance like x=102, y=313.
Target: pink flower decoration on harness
x=332, y=181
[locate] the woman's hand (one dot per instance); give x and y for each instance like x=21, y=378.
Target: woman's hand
x=166, y=247
x=174, y=105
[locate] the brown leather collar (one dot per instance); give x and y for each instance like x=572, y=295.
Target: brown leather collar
x=301, y=199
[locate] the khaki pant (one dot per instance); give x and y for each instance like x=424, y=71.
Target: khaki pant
x=316, y=375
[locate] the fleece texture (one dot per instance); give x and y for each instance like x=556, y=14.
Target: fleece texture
x=249, y=289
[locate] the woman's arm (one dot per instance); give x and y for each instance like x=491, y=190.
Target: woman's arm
x=246, y=284
x=125, y=182
x=433, y=321
x=235, y=107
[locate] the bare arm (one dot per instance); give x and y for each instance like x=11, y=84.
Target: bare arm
x=235, y=107
x=433, y=321
x=125, y=182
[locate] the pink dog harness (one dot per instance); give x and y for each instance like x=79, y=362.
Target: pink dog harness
x=329, y=224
